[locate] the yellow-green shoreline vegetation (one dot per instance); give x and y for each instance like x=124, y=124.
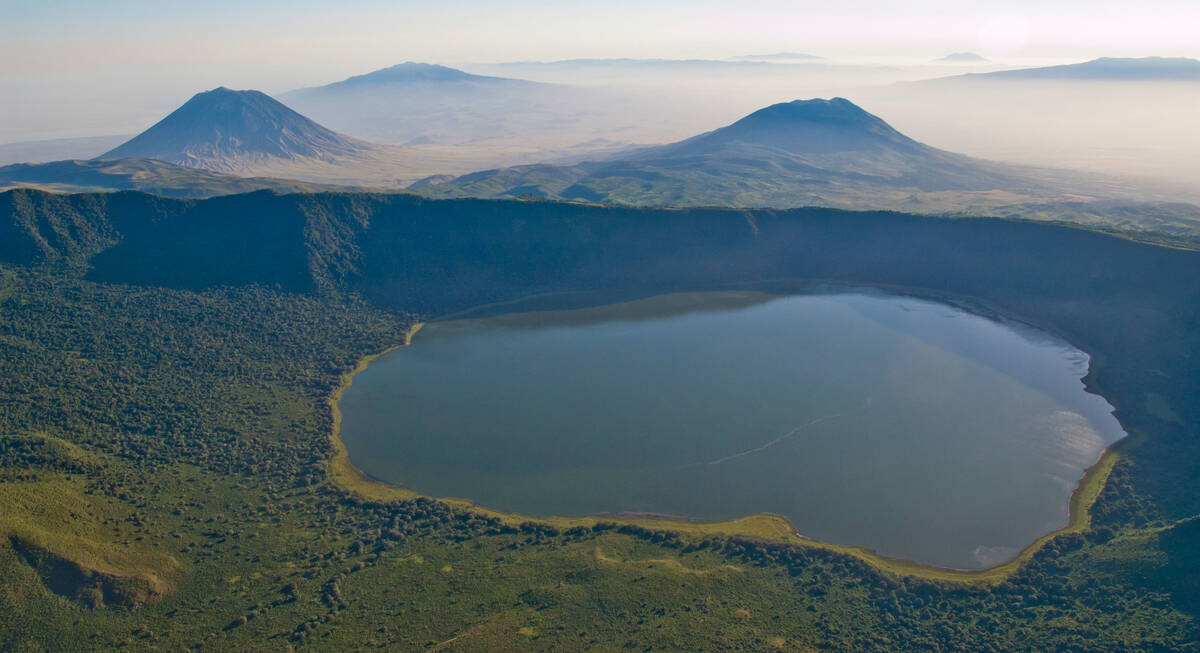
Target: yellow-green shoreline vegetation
x=340, y=468
x=764, y=526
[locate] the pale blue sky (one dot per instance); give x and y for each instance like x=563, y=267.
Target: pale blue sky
x=85, y=34
x=100, y=51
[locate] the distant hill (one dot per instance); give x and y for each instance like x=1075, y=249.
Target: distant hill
x=146, y=175
x=421, y=103
x=745, y=61
x=1105, y=69
x=961, y=57
x=232, y=131
x=409, y=72
x=777, y=56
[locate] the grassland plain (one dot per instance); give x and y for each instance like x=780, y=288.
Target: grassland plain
x=165, y=438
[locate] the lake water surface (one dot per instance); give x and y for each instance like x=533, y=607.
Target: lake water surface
x=904, y=425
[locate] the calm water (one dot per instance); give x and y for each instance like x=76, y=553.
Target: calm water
x=900, y=424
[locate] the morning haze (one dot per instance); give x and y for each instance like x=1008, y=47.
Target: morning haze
x=863, y=47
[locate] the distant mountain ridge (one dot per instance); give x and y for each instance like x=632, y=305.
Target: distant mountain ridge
x=226, y=130
x=1105, y=69
x=423, y=103
x=409, y=72
x=777, y=56
x=961, y=57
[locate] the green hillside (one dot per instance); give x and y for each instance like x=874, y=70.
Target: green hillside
x=165, y=433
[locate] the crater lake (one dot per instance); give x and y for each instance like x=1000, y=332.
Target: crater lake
x=909, y=426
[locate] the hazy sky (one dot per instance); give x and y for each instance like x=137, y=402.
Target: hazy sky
x=154, y=54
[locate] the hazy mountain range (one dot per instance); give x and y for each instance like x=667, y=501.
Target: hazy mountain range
x=1132, y=118
x=777, y=56
x=777, y=67
x=802, y=153
x=455, y=121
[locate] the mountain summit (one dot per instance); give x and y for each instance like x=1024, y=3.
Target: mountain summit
x=226, y=130
x=799, y=127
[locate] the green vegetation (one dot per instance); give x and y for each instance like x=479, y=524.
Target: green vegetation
x=747, y=182
x=166, y=369
x=147, y=175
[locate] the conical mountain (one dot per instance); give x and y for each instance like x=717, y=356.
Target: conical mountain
x=806, y=152
x=229, y=131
